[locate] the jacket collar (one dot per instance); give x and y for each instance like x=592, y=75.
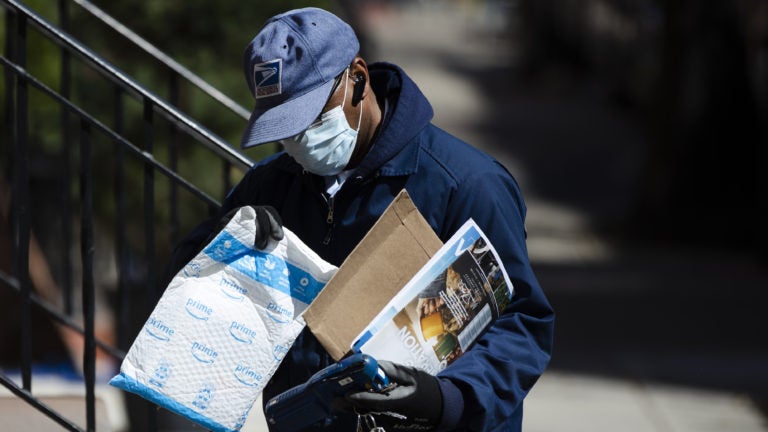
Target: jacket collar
x=409, y=112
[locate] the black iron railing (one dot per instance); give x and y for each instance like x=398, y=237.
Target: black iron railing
x=82, y=131
x=179, y=71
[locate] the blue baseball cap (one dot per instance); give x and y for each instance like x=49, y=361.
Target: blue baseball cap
x=290, y=67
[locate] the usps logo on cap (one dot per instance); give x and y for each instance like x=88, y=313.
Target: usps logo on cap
x=267, y=78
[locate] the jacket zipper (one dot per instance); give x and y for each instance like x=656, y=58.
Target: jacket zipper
x=329, y=200
x=329, y=220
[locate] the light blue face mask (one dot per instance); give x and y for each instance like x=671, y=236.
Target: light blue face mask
x=327, y=145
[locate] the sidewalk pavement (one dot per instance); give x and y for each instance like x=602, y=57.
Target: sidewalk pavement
x=578, y=403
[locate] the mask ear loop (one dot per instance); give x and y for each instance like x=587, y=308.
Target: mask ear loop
x=360, y=117
x=344, y=99
x=346, y=87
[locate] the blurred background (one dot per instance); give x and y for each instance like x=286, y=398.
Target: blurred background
x=637, y=130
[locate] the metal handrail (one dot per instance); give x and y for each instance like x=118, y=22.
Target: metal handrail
x=28, y=397
x=57, y=316
x=173, y=115
x=164, y=58
x=18, y=81
x=143, y=155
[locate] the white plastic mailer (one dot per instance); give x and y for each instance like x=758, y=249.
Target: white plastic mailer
x=223, y=325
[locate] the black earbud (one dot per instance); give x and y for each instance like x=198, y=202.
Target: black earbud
x=357, y=94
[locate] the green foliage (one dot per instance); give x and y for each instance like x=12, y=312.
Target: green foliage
x=206, y=37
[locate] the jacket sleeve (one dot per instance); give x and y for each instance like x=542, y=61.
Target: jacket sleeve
x=202, y=234
x=243, y=193
x=496, y=373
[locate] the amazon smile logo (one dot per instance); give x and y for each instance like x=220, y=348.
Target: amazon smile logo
x=279, y=313
x=203, y=353
x=198, y=310
x=247, y=376
x=232, y=289
x=158, y=329
x=241, y=333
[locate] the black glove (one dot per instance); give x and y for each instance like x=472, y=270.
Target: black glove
x=268, y=225
x=416, y=403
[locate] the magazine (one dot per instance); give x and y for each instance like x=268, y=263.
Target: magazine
x=442, y=310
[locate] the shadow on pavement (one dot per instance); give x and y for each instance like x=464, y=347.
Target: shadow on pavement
x=655, y=309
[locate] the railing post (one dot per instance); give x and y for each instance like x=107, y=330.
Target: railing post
x=66, y=157
x=20, y=203
x=125, y=300
x=149, y=206
x=149, y=230
x=173, y=151
x=9, y=48
x=86, y=250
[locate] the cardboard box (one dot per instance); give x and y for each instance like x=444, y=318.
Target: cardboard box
x=395, y=248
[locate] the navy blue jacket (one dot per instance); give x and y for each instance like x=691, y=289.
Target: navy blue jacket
x=449, y=181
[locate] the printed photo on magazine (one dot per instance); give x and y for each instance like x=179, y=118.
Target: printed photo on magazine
x=442, y=310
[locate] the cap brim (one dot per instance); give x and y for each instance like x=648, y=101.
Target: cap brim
x=287, y=119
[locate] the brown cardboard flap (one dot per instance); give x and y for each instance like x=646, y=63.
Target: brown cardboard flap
x=395, y=248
